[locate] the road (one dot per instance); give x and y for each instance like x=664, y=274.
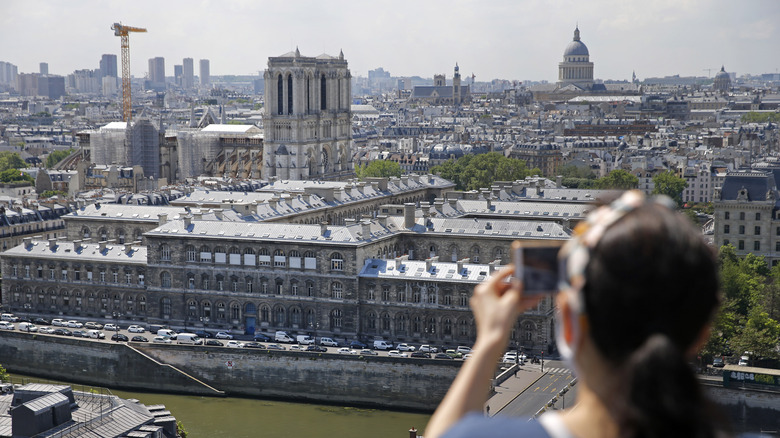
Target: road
x=527, y=403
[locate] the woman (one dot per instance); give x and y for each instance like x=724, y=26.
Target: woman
x=636, y=297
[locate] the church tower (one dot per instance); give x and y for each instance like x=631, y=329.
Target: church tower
x=456, y=90
x=576, y=67
x=307, y=119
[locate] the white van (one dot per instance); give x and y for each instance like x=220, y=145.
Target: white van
x=382, y=345
x=8, y=317
x=96, y=334
x=282, y=336
x=167, y=332
x=27, y=327
x=304, y=339
x=188, y=338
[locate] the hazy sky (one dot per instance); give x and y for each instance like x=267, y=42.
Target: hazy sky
x=507, y=39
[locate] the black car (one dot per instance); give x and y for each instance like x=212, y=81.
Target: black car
x=718, y=362
x=442, y=356
x=254, y=345
x=357, y=345
x=63, y=332
x=204, y=334
x=41, y=321
x=259, y=337
x=214, y=343
x=119, y=337
x=139, y=339
x=421, y=354
x=318, y=348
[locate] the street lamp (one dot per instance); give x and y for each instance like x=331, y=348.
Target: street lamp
x=116, y=316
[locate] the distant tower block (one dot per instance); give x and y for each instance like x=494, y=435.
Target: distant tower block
x=307, y=120
x=205, y=72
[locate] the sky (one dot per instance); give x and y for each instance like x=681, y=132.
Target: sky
x=493, y=39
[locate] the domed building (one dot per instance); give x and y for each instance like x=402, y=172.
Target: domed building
x=722, y=81
x=576, y=68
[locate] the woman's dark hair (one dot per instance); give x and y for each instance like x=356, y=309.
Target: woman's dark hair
x=651, y=287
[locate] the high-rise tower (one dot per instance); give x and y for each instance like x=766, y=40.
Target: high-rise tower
x=307, y=121
x=188, y=73
x=205, y=73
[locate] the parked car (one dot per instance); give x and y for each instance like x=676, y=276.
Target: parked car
x=442, y=356
x=357, y=345
x=396, y=353
x=254, y=345
x=162, y=340
x=404, y=347
x=80, y=334
x=46, y=330
x=223, y=335
x=718, y=362
x=8, y=317
x=260, y=337
x=510, y=358
x=93, y=325
x=136, y=329
x=57, y=322
x=27, y=327
x=119, y=337
x=346, y=350
x=214, y=343
x=204, y=334
x=328, y=342
x=111, y=328
x=5, y=325
x=318, y=348
x=63, y=332
x=421, y=354
x=41, y=321
x=744, y=361
x=140, y=339
x=234, y=344
x=275, y=347
x=367, y=352
x=425, y=348
x=74, y=324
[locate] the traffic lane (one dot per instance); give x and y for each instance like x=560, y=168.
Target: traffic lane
x=537, y=395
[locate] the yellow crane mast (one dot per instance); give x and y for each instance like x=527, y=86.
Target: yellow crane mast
x=123, y=32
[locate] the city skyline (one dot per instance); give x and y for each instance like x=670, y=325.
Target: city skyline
x=496, y=40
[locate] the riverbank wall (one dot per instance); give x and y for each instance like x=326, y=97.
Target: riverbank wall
x=374, y=381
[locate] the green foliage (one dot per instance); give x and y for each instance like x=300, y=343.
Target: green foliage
x=180, y=430
x=4, y=376
x=755, y=117
x=235, y=122
x=669, y=184
x=379, y=168
x=50, y=193
x=473, y=172
x=11, y=160
x=579, y=183
x=749, y=317
x=15, y=175
x=618, y=179
x=580, y=172
x=71, y=106
x=258, y=106
x=57, y=156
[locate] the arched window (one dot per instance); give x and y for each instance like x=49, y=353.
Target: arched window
x=265, y=314
x=235, y=312
x=323, y=93
x=165, y=307
x=165, y=279
x=86, y=232
x=279, y=260
x=279, y=316
x=120, y=235
x=165, y=252
x=416, y=324
x=447, y=327
x=295, y=316
x=336, y=262
x=401, y=324
x=336, y=319
x=371, y=321
x=192, y=308
x=221, y=311
x=103, y=233
x=463, y=328
x=264, y=257
x=385, y=322
x=280, y=95
x=310, y=318
x=289, y=94
x=192, y=255
x=475, y=254
x=234, y=256
x=337, y=290
x=309, y=289
x=205, y=254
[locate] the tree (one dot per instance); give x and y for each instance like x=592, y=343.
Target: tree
x=669, y=184
x=50, y=193
x=4, y=376
x=55, y=157
x=11, y=160
x=473, y=172
x=618, y=179
x=379, y=169
x=15, y=175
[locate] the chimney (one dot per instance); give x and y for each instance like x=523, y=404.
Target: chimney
x=198, y=215
x=218, y=213
x=52, y=243
x=306, y=197
x=375, y=185
x=27, y=242
x=453, y=202
x=426, y=209
x=461, y=264
x=382, y=218
x=366, y=226
x=323, y=228
x=409, y=215
x=494, y=265
x=497, y=192
x=360, y=187
x=128, y=248
x=559, y=181
x=102, y=245
x=272, y=203
x=489, y=203
x=398, y=263
x=429, y=263
x=76, y=245
x=538, y=188
x=187, y=221
x=405, y=180
x=163, y=218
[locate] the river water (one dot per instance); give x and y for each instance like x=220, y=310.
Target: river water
x=245, y=417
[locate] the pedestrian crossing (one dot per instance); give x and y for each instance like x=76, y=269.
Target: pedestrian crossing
x=557, y=370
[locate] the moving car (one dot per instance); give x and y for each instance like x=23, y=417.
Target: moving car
x=421, y=354
x=162, y=340
x=136, y=329
x=453, y=354
x=204, y=334
x=510, y=358
x=357, y=345
x=463, y=350
x=442, y=356
x=27, y=327
x=8, y=317
x=46, y=330
x=328, y=342
x=396, y=353
x=96, y=334
x=119, y=337
x=404, y=347
x=41, y=321
x=5, y=325
x=254, y=345
x=111, y=328
x=260, y=337
x=223, y=335
x=214, y=343
x=346, y=350
x=234, y=344
x=275, y=347
x=80, y=334
x=140, y=339
x=428, y=349
x=318, y=348
x=367, y=352
x=63, y=332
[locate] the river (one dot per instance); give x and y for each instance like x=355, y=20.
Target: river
x=235, y=417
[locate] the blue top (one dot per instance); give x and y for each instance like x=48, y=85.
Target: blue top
x=476, y=425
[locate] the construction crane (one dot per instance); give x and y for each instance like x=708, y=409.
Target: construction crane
x=123, y=32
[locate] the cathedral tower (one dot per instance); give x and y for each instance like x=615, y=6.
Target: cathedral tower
x=456, y=90
x=307, y=119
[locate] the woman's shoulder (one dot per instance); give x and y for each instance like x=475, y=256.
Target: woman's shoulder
x=476, y=425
